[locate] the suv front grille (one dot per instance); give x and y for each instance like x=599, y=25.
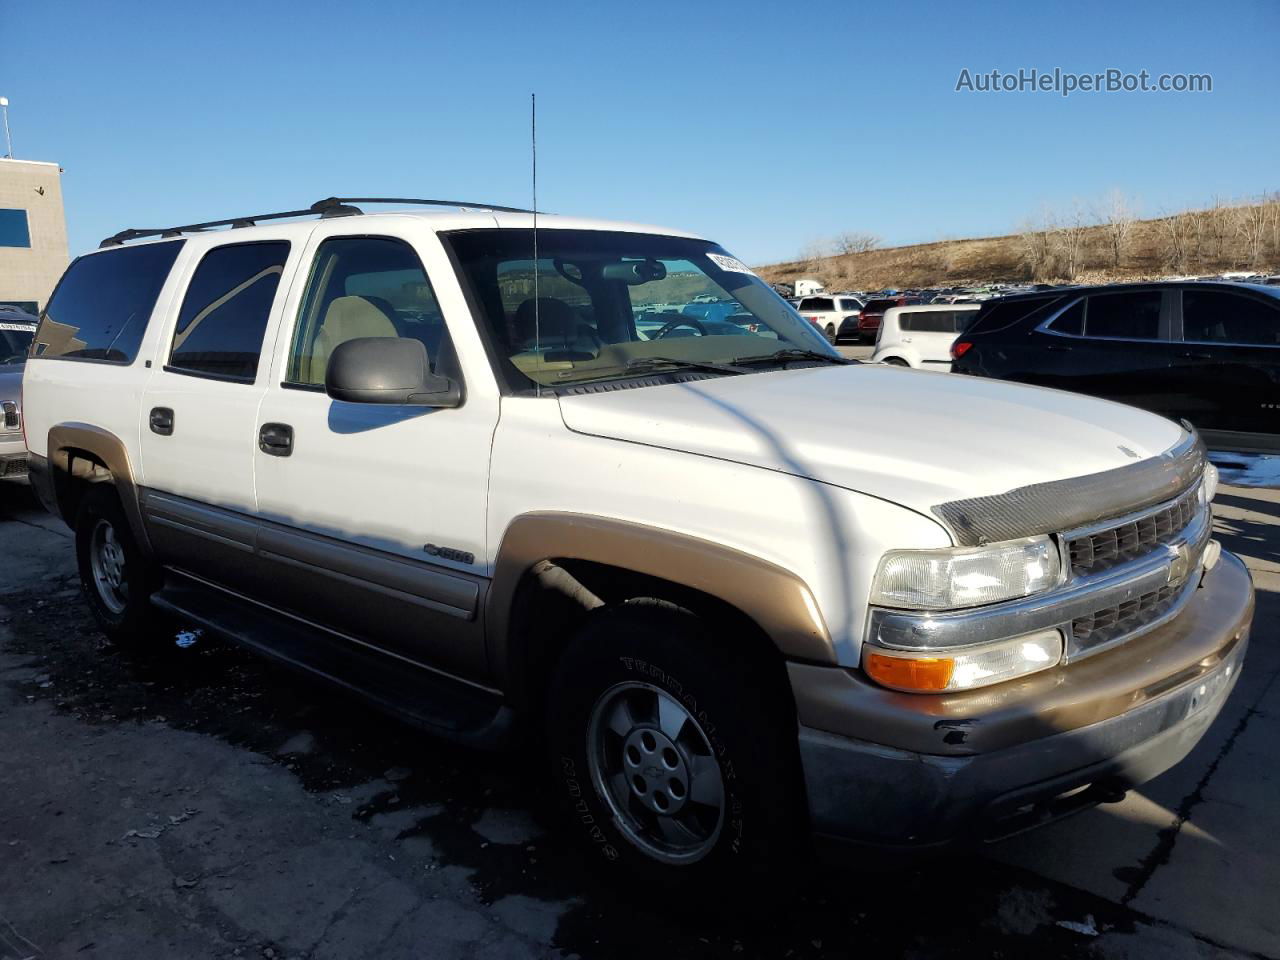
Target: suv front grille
x=1103, y=626
x=1095, y=552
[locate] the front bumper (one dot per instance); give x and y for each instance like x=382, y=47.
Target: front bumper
x=13, y=456
x=894, y=769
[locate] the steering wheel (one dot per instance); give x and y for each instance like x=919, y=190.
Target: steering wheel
x=680, y=322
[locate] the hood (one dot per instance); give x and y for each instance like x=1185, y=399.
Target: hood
x=915, y=438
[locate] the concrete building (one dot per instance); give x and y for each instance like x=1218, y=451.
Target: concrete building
x=33, y=232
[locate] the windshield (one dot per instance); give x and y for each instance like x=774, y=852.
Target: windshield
x=597, y=301
x=15, y=341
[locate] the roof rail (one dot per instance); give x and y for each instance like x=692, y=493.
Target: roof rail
x=326, y=208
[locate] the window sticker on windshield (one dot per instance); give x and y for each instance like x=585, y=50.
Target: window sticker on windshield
x=732, y=264
x=24, y=327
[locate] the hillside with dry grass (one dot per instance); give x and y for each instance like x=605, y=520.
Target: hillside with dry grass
x=1115, y=247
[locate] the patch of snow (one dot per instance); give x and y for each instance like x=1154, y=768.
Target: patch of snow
x=1247, y=469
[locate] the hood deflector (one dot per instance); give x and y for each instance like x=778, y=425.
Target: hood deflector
x=1062, y=504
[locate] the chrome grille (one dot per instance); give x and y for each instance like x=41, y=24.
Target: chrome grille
x=11, y=420
x=1093, y=552
x=1104, y=626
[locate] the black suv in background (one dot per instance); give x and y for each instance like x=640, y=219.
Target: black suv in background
x=1201, y=351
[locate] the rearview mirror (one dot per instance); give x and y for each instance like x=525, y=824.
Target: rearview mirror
x=387, y=370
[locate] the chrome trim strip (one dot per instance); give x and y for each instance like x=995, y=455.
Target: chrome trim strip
x=1059, y=504
x=900, y=630
x=1104, y=525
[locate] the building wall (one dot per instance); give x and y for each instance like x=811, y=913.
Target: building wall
x=28, y=274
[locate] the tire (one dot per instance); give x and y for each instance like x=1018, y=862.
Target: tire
x=713, y=733
x=831, y=333
x=116, y=578
x=896, y=361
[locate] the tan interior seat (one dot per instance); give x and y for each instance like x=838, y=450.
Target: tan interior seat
x=346, y=319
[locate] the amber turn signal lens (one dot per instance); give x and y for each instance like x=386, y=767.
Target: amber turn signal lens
x=922, y=674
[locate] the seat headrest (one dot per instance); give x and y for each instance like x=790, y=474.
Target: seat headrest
x=351, y=317
x=555, y=319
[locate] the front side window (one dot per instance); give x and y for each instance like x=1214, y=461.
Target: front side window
x=102, y=304
x=852, y=306
x=225, y=310
x=1127, y=316
x=1212, y=316
x=599, y=305
x=363, y=287
x=1070, y=321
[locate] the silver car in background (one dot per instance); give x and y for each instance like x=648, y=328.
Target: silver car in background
x=17, y=328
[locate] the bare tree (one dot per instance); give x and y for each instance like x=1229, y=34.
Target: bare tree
x=813, y=254
x=847, y=243
x=1251, y=224
x=1068, y=241
x=1035, y=240
x=1117, y=219
x=1175, y=231
x=1221, y=217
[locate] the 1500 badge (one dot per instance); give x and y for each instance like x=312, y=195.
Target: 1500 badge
x=448, y=553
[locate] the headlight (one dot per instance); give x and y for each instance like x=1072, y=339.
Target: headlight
x=1209, y=485
x=966, y=576
x=963, y=668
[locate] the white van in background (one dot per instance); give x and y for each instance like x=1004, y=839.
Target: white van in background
x=921, y=336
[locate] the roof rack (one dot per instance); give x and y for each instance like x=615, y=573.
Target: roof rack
x=326, y=208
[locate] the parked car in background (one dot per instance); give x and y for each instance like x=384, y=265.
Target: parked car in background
x=829, y=311
x=921, y=336
x=1201, y=351
x=17, y=328
x=863, y=327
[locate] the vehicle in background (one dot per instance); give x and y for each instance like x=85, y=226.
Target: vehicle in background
x=829, y=312
x=803, y=288
x=863, y=327
x=17, y=329
x=921, y=336
x=1204, y=352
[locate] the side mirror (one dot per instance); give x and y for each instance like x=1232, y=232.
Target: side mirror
x=387, y=370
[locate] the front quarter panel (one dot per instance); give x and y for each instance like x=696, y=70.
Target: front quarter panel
x=828, y=538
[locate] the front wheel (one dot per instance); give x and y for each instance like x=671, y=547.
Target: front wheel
x=831, y=333
x=116, y=579
x=673, y=754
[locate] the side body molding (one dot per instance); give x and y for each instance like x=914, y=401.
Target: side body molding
x=64, y=440
x=774, y=598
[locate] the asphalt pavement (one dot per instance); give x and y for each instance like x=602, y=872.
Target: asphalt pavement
x=197, y=802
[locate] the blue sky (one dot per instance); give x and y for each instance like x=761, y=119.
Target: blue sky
x=764, y=126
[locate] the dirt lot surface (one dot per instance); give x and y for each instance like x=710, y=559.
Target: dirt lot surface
x=199, y=803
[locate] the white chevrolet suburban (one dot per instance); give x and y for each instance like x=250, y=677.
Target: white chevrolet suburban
x=406, y=453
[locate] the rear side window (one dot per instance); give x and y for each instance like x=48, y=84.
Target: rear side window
x=225, y=310
x=1211, y=316
x=1130, y=316
x=101, y=307
x=850, y=305
x=818, y=305
x=1070, y=321
x=928, y=321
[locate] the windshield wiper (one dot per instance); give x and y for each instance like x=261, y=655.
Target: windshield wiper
x=645, y=363
x=794, y=353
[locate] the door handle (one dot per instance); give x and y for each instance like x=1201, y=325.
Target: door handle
x=1057, y=348
x=1192, y=355
x=276, y=439
x=161, y=420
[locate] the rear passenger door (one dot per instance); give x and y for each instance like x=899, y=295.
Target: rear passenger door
x=1228, y=361
x=373, y=515
x=200, y=405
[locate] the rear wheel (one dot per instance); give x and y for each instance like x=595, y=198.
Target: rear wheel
x=831, y=333
x=674, y=756
x=116, y=579
x=897, y=362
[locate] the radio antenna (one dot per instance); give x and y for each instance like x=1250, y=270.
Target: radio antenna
x=537, y=319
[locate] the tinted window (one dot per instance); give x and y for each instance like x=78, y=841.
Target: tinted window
x=1070, y=321
x=225, y=310
x=879, y=306
x=363, y=287
x=928, y=321
x=1212, y=316
x=15, y=342
x=1134, y=316
x=100, y=308
x=13, y=229
x=999, y=314
x=818, y=305
x=851, y=305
